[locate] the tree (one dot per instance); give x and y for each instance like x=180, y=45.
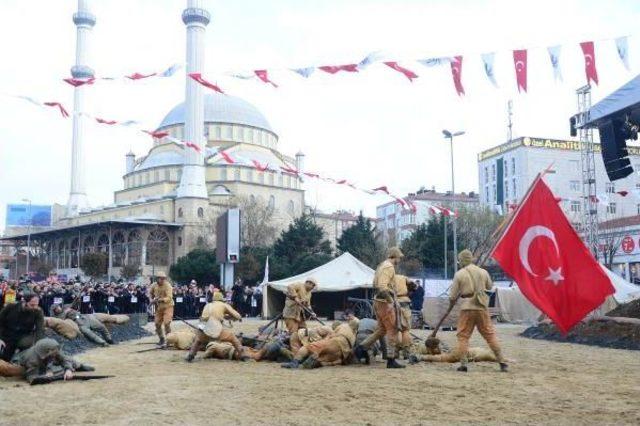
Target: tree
x=609, y=244
x=94, y=264
x=475, y=227
x=426, y=245
x=129, y=272
x=258, y=228
x=361, y=241
x=299, y=248
x=199, y=264
x=251, y=265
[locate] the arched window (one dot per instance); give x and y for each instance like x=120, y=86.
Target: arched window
x=158, y=248
x=179, y=211
x=64, y=254
x=200, y=212
x=88, y=245
x=179, y=241
x=118, y=248
x=261, y=177
x=103, y=244
x=134, y=248
x=291, y=207
x=73, y=253
x=272, y=202
x=280, y=180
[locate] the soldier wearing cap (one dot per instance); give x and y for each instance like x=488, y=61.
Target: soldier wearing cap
x=470, y=284
x=298, y=295
x=161, y=294
x=211, y=329
x=385, y=308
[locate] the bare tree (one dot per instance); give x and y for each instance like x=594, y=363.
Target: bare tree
x=475, y=226
x=258, y=227
x=610, y=242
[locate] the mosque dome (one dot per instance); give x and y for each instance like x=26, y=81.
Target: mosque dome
x=219, y=108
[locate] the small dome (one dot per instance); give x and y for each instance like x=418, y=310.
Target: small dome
x=219, y=108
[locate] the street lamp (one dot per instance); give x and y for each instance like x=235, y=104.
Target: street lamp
x=448, y=135
x=25, y=200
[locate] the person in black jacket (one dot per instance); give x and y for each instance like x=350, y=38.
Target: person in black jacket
x=21, y=326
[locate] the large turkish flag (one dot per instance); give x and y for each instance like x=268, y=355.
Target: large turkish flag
x=542, y=252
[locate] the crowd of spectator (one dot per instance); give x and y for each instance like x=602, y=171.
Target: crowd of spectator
x=128, y=298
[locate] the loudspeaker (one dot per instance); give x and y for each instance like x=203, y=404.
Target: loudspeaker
x=572, y=126
x=614, y=150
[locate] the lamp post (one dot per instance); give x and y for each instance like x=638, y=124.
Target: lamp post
x=448, y=135
x=28, y=234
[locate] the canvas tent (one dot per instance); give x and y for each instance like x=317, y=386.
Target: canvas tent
x=345, y=276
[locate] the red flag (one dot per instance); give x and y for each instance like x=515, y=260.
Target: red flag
x=198, y=77
x=192, y=146
x=552, y=266
x=156, y=134
x=456, y=72
x=407, y=73
x=382, y=189
x=138, y=76
x=260, y=166
x=227, y=157
x=520, y=62
x=59, y=106
x=264, y=76
x=311, y=175
x=333, y=69
x=622, y=193
x=289, y=170
x=75, y=82
x=589, y=53
x=103, y=121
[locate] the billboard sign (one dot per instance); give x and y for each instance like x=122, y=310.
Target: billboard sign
x=24, y=215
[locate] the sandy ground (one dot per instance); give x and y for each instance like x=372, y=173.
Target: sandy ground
x=550, y=383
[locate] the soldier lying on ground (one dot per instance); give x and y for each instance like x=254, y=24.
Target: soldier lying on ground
x=335, y=349
x=434, y=351
x=269, y=347
x=44, y=361
x=180, y=339
x=90, y=327
x=366, y=328
x=304, y=336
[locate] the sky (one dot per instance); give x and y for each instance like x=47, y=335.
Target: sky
x=372, y=128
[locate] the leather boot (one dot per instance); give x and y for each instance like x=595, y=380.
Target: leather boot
x=462, y=368
x=504, y=368
x=85, y=367
x=189, y=357
x=293, y=364
x=392, y=363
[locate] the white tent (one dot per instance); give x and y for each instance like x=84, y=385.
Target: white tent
x=342, y=274
x=625, y=291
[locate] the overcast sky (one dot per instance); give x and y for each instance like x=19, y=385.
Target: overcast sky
x=373, y=128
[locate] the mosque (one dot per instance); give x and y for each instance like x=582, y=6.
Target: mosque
x=172, y=196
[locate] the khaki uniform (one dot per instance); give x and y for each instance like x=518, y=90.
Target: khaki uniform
x=383, y=282
x=221, y=350
x=333, y=350
x=304, y=336
x=470, y=284
x=181, y=339
x=212, y=316
x=292, y=313
x=402, y=295
x=473, y=354
x=164, y=307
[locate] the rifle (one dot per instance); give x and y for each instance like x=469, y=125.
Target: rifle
x=264, y=327
x=158, y=348
x=307, y=311
x=43, y=380
x=397, y=309
x=186, y=322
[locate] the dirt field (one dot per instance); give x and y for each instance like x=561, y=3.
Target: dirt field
x=550, y=383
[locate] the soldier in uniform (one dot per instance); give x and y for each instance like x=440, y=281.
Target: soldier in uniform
x=335, y=349
x=161, y=294
x=470, y=284
x=44, y=359
x=181, y=339
x=385, y=309
x=21, y=325
x=304, y=336
x=89, y=325
x=298, y=295
x=211, y=329
x=402, y=286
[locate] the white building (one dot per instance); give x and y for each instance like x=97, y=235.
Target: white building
x=506, y=171
x=621, y=239
x=397, y=223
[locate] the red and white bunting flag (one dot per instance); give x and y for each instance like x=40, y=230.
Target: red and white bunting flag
x=341, y=182
x=412, y=206
x=192, y=146
x=138, y=76
x=261, y=167
x=289, y=170
x=76, y=82
x=407, y=73
x=622, y=193
x=456, y=72
x=589, y=53
x=156, y=134
x=227, y=158
x=334, y=69
x=520, y=63
x=58, y=105
x=103, y=121
x=311, y=175
x=198, y=77
x=264, y=76
x=381, y=189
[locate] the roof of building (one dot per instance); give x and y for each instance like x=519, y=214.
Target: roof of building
x=620, y=222
x=130, y=222
x=219, y=108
